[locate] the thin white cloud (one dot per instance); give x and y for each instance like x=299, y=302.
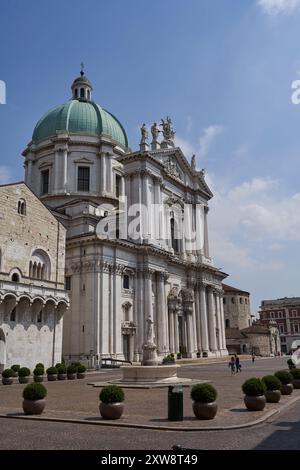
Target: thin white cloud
x=5, y=175
x=185, y=146
x=208, y=137
x=275, y=7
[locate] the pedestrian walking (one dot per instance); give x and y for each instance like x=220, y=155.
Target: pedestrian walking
x=232, y=365
x=237, y=364
x=253, y=358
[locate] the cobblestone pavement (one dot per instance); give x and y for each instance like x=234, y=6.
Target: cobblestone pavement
x=280, y=434
x=79, y=400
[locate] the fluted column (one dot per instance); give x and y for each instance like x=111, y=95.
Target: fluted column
x=212, y=321
x=203, y=319
x=161, y=314
x=218, y=318
x=189, y=333
x=176, y=332
x=65, y=170
x=146, y=207
x=109, y=173
x=148, y=305
x=198, y=319
x=140, y=311
x=103, y=173
x=223, y=324
x=171, y=332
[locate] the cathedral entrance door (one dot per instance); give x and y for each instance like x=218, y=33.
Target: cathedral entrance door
x=126, y=347
x=2, y=350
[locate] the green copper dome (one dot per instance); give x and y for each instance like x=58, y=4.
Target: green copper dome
x=80, y=116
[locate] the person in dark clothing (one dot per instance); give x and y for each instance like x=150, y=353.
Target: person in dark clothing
x=237, y=364
x=253, y=358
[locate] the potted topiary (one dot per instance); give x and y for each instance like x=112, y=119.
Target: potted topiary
x=296, y=378
x=61, y=372
x=40, y=365
x=111, y=402
x=24, y=374
x=15, y=368
x=51, y=374
x=38, y=374
x=81, y=369
x=7, y=377
x=204, y=401
x=34, y=399
x=72, y=372
x=254, y=390
x=285, y=378
x=273, y=386
x=291, y=364
x=169, y=359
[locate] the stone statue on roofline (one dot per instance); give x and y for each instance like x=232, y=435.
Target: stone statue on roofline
x=167, y=130
x=144, y=134
x=193, y=162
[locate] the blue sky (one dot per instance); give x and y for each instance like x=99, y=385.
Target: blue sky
x=222, y=69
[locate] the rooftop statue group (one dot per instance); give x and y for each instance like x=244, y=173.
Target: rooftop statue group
x=167, y=131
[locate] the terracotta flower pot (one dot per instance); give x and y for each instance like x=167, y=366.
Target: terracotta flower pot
x=61, y=376
x=23, y=380
x=52, y=377
x=38, y=378
x=273, y=396
x=287, y=389
x=80, y=375
x=7, y=380
x=296, y=383
x=33, y=407
x=205, y=410
x=111, y=410
x=255, y=403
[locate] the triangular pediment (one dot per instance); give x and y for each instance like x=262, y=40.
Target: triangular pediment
x=84, y=160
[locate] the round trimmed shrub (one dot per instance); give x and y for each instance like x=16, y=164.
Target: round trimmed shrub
x=58, y=365
x=7, y=373
x=34, y=391
x=271, y=382
x=76, y=364
x=81, y=369
x=112, y=394
x=71, y=369
x=254, y=387
x=24, y=372
x=295, y=373
x=203, y=393
x=16, y=367
x=62, y=369
x=40, y=364
x=291, y=364
x=51, y=371
x=284, y=376
x=38, y=371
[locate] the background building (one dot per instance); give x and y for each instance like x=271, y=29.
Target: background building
x=286, y=313
x=32, y=295
x=78, y=160
x=237, y=310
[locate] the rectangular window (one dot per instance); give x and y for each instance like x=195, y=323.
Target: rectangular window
x=68, y=282
x=45, y=182
x=83, y=182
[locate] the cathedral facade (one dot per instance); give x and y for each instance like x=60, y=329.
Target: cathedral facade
x=137, y=242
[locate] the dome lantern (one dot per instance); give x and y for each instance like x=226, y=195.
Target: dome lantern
x=82, y=87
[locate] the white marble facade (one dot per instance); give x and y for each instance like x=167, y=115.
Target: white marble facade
x=116, y=283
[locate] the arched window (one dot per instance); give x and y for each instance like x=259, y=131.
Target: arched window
x=76, y=93
x=39, y=265
x=227, y=323
x=15, y=277
x=88, y=95
x=22, y=207
x=174, y=240
x=13, y=314
x=81, y=92
x=126, y=281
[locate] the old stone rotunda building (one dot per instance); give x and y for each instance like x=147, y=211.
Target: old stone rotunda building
x=80, y=166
